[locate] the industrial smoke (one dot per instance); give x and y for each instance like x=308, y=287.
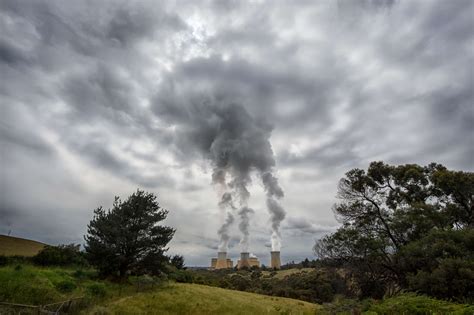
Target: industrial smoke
x=236, y=144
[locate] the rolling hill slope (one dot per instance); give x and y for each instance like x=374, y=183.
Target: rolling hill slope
x=181, y=298
x=11, y=246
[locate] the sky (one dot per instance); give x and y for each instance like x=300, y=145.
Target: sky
x=100, y=98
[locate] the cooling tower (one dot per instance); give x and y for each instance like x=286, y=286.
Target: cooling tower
x=221, y=260
x=275, y=263
x=244, y=260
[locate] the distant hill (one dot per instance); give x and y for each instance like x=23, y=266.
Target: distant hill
x=11, y=246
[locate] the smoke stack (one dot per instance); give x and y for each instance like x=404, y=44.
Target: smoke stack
x=221, y=260
x=275, y=262
x=244, y=260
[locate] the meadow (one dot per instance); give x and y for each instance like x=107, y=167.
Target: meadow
x=33, y=285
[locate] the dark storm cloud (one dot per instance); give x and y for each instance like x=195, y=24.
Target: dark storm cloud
x=95, y=98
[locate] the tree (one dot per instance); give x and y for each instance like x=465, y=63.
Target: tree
x=386, y=208
x=127, y=238
x=177, y=261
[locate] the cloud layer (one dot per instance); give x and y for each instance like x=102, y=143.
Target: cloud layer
x=95, y=98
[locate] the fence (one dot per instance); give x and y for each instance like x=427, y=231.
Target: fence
x=65, y=307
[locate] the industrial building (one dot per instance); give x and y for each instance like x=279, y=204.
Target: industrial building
x=222, y=262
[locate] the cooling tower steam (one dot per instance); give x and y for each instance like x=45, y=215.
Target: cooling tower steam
x=236, y=144
x=223, y=232
x=244, y=214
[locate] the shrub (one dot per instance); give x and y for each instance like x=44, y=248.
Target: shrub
x=96, y=290
x=182, y=276
x=61, y=255
x=3, y=260
x=410, y=303
x=66, y=286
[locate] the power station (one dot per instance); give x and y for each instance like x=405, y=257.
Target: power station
x=245, y=261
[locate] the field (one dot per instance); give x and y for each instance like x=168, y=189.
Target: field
x=14, y=246
x=28, y=284
x=183, y=298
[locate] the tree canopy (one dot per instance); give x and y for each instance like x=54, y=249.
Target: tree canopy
x=388, y=213
x=127, y=238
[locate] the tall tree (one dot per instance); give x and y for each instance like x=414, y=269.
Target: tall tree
x=385, y=208
x=127, y=238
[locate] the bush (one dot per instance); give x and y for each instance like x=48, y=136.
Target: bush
x=3, y=260
x=66, y=286
x=61, y=255
x=410, y=303
x=182, y=276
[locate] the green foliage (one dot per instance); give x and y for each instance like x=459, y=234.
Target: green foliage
x=29, y=285
x=418, y=304
x=441, y=264
x=96, y=290
x=127, y=238
x=177, y=261
x=407, y=303
x=388, y=214
x=182, y=276
x=62, y=255
x=313, y=286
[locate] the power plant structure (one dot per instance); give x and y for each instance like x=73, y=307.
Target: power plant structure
x=275, y=262
x=221, y=262
x=245, y=261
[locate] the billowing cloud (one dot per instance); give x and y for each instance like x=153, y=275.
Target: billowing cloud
x=99, y=98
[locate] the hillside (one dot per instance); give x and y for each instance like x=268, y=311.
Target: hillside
x=11, y=246
x=180, y=298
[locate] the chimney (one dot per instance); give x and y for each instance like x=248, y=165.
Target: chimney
x=244, y=260
x=221, y=260
x=275, y=262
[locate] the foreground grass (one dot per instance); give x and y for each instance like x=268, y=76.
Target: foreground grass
x=12, y=246
x=28, y=284
x=183, y=298
x=410, y=303
x=32, y=285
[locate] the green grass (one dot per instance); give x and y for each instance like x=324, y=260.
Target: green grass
x=28, y=284
x=410, y=303
x=32, y=285
x=180, y=298
x=14, y=246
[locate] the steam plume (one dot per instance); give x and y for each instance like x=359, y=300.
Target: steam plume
x=244, y=214
x=236, y=144
x=225, y=204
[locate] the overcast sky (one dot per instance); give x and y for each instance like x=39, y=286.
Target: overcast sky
x=93, y=95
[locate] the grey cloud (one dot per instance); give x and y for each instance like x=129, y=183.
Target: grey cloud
x=306, y=226
x=145, y=92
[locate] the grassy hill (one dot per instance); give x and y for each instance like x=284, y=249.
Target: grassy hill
x=12, y=246
x=183, y=298
x=42, y=285
x=28, y=284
